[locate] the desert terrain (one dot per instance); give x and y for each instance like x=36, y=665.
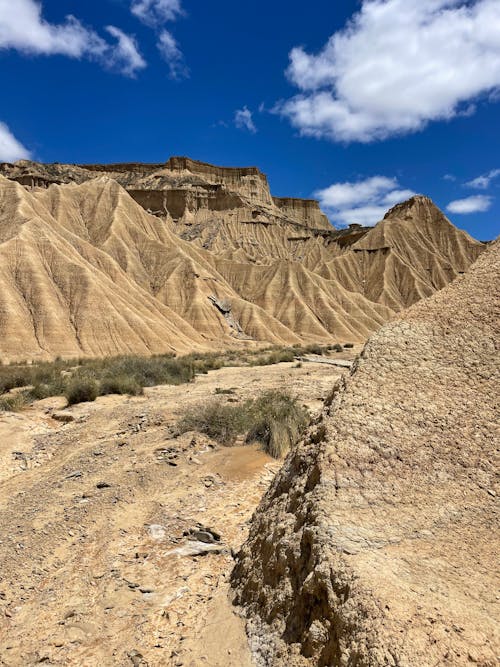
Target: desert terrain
x=128, y=540
x=99, y=566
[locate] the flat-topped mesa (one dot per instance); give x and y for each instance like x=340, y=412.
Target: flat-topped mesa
x=305, y=211
x=248, y=181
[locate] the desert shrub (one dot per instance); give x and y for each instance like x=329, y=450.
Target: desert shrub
x=72, y=378
x=274, y=357
x=81, y=390
x=219, y=421
x=14, y=402
x=204, y=362
x=277, y=421
x=221, y=391
x=348, y=346
x=11, y=378
x=313, y=348
x=149, y=371
x=280, y=356
x=121, y=384
x=55, y=387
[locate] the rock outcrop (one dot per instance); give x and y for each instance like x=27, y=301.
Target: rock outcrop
x=170, y=235
x=377, y=543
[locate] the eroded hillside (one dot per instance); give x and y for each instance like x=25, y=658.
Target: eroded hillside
x=109, y=259
x=377, y=543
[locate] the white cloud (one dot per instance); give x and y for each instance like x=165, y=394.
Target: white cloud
x=126, y=55
x=393, y=69
x=156, y=12
x=483, y=182
x=25, y=30
x=449, y=177
x=474, y=204
x=10, y=148
x=243, y=119
x=169, y=49
x=364, y=202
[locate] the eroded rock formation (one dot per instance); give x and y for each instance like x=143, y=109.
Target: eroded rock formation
x=377, y=543
x=133, y=252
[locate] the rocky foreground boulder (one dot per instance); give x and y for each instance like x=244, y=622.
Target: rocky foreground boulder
x=377, y=543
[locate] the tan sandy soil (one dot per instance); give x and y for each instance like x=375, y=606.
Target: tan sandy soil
x=91, y=576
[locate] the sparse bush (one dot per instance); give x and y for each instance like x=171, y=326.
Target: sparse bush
x=280, y=356
x=218, y=420
x=277, y=422
x=81, y=390
x=149, y=371
x=275, y=419
x=130, y=374
x=348, y=346
x=121, y=384
x=313, y=348
x=13, y=402
x=274, y=357
x=221, y=391
x=337, y=347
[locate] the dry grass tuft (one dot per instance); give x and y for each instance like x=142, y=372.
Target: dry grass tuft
x=275, y=419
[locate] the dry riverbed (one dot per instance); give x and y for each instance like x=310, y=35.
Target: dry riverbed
x=116, y=536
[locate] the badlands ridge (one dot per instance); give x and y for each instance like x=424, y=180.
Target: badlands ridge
x=134, y=258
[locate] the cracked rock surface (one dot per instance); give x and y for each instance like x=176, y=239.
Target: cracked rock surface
x=377, y=543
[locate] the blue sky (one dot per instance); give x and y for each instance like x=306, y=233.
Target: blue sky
x=359, y=103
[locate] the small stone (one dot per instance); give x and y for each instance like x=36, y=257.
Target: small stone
x=157, y=531
x=64, y=417
x=74, y=475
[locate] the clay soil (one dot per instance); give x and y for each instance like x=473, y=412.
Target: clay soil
x=98, y=564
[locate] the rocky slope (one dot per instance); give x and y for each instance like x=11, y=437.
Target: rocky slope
x=377, y=542
x=107, y=259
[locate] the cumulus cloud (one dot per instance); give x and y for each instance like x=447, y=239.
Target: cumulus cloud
x=364, y=202
x=483, y=182
x=243, y=119
x=25, y=30
x=474, y=204
x=10, y=148
x=156, y=12
x=393, y=69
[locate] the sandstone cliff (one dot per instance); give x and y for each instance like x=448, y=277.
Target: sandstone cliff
x=378, y=540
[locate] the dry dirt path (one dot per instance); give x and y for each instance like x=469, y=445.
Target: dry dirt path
x=94, y=523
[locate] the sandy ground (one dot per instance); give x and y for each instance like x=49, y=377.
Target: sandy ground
x=98, y=566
